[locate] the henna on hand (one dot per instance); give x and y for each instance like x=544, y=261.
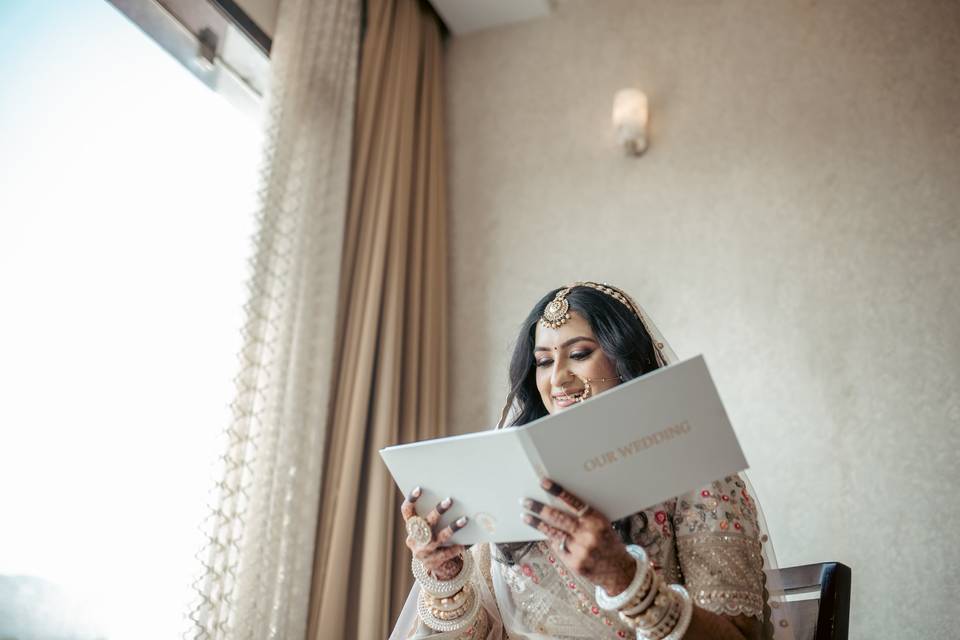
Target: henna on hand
x=449, y=569
x=593, y=548
x=442, y=562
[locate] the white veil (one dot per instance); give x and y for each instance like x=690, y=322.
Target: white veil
x=776, y=615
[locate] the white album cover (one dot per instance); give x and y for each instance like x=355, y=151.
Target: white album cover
x=631, y=447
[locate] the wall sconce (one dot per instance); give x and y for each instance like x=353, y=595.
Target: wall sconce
x=630, y=116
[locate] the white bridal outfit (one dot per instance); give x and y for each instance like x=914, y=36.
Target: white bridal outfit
x=713, y=540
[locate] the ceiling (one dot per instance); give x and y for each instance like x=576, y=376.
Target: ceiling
x=464, y=16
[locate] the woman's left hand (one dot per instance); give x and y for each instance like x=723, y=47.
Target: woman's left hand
x=584, y=539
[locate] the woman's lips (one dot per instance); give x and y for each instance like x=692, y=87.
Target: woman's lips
x=564, y=400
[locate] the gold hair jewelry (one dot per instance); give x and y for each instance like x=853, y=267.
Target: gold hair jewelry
x=558, y=311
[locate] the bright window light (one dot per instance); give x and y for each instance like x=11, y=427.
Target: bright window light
x=127, y=194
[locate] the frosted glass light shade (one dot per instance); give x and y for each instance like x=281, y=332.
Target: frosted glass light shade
x=630, y=117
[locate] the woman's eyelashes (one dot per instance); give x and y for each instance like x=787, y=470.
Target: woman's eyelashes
x=581, y=354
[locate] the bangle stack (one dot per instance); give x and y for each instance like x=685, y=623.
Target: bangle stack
x=449, y=605
x=655, y=610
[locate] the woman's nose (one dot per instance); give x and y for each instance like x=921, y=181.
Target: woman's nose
x=560, y=376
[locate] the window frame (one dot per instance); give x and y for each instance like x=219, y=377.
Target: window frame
x=214, y=39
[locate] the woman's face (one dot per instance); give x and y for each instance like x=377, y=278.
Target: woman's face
x=566, y=358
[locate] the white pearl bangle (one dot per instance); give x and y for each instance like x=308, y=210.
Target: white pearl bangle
x=686, y=615
x=653, y=587
x=442, y=588
x=612, y=603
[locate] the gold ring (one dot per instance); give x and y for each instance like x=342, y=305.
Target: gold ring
x=419, y=530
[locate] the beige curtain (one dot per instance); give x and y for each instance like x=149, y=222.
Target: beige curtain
x=255, y=577
x=390, y=368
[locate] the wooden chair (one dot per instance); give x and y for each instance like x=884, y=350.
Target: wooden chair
x=825, y=615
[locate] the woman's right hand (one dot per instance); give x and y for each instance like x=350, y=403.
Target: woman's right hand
x=443, y=563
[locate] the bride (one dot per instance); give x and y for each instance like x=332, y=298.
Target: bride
x=691, y=567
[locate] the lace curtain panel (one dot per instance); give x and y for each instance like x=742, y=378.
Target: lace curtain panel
x=391, y=367
x=256, y=572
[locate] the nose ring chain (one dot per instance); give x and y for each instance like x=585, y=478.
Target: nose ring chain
x=587, y=386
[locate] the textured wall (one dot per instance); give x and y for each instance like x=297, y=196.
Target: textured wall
x=795, y=220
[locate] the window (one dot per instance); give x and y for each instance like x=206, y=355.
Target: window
x=127, y=197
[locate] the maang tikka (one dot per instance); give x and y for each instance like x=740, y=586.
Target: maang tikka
x=557, y=311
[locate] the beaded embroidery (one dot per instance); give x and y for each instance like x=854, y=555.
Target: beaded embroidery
x=706, y=539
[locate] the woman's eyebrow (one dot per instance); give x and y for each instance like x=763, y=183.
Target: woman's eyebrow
x=567, y=343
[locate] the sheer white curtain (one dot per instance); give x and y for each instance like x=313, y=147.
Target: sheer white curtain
x=255, y=580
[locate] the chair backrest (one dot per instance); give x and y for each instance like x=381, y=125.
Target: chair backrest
x=825, y=613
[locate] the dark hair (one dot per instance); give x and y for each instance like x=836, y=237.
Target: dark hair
x=622, y=338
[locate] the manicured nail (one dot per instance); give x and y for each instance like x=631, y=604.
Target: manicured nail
x=444, y=504
x=532, y=505
x=551, y=487
x=527, y=519
x=415, y=493
x=460, y=523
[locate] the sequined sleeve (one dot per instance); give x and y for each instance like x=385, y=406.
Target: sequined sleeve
x=718, y=548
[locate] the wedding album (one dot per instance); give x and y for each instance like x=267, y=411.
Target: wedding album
x=644, y=441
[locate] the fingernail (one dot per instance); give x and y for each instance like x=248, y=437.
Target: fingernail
x=527, y=519
x=445, y=504
x=461, y=522
x=416, y=493
x=552, y=487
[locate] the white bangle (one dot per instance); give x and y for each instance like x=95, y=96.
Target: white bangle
x=612, y=603
x=685, y=616
x=442, y=587
x=643, y=605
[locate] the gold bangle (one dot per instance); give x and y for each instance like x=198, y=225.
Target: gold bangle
x=654, y=616
x=447, y=603
x=666, y=624
x=467, y=618
x=449, y=615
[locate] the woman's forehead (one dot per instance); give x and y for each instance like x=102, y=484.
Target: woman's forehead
x=576, y=326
